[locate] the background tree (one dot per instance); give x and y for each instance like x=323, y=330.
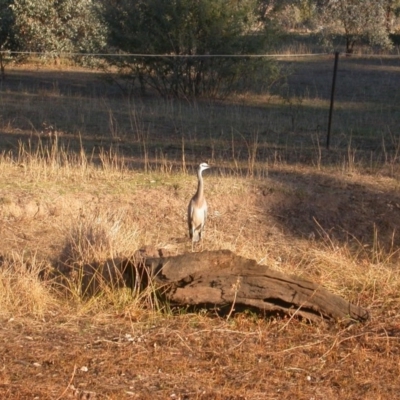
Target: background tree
x=7, y=41
x=291, y=14
x=359, y=20
x=183, y=28
x=392, y=11
x=6, y=23
x=57, y=26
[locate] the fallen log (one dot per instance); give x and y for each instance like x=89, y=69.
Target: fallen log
x=223, y=279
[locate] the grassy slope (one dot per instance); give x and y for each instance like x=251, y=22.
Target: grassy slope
x=334, y=224
x=202, y=356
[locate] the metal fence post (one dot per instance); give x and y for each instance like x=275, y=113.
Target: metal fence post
x=328, y=138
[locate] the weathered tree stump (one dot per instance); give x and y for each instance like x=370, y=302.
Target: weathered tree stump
x=223, y=279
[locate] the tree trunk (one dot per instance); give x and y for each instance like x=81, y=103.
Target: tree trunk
x=223, y=280
x=2, y=70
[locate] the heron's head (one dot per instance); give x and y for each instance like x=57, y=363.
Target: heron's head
x=203, y=166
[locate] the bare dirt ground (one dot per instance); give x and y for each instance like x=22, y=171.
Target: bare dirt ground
x=192, y=357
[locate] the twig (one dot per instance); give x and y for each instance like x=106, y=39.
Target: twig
x=235, y=287
x=223, y=331
x=296, y=347
x=185, y=344
x=69, y=384
x=338, y=342
x=299, y=308
x=238, y=345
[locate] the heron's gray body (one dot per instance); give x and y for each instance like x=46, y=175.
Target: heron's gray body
x=197, y=214
x=197, y=209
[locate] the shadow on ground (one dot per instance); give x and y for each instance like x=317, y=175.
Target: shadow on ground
x=336, y=210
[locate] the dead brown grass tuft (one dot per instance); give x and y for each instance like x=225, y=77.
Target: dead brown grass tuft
x=103, y=235
x=23, y=292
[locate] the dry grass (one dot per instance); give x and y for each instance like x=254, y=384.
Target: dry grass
x=114, y=346
x=22, y=291
x=67, y=207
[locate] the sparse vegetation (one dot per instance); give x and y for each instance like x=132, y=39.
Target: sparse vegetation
x=190, y=35
x=88, y=176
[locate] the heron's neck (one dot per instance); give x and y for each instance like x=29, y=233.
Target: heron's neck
x=200, y=190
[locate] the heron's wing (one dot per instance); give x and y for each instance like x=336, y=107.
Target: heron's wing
x=190, y=217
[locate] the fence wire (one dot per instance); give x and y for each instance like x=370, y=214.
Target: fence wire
x=289, y=120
